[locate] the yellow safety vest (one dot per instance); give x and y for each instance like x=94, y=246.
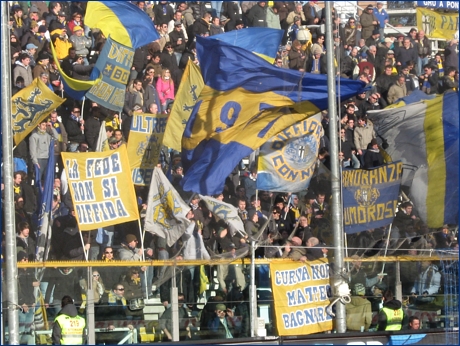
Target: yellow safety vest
x=71, y=329
x=394, y=318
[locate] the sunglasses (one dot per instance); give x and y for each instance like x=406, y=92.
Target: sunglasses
x=120, y=289
x=96, y=275
x=108, y=252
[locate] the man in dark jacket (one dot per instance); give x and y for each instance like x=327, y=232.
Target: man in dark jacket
x=75, y=129
x=163, y=13
x=257, y=15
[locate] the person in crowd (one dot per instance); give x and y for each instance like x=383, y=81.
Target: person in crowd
x=392, y=315
x=398, y=90
x=24, y=241
x=363, y=135
x=166, y=319
x=451, y=55
x=26, y=298
x=429, y=80
x=69, y=327
x=359, y=310
x=414, y=323
x=39, y=145
x=221, y=326
x=165, y=88
x=427, y=284
x=368, y=21
x=373, y=157
x=133, y=294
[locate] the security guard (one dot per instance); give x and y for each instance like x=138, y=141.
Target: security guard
x=68, y=326
x=391, y=316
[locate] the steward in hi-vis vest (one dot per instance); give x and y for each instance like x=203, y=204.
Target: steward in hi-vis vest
x=392, y=315
x=68, y=327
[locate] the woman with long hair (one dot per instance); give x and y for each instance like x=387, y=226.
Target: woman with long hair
x=133, y=294
x=165, y=88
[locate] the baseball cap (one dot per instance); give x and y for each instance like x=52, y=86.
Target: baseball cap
x=31, y=46
x=388, y=40
x=390, y=52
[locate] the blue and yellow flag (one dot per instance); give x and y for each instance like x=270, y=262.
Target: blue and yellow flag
x=370, y=197
x=241, y=106
x=114, y=65
x=75, y=88
x=186, y=97
x=123, y=21
x=144, y=145
x=263, y=42
x=287, y=161
x=423, y=134
x=30, y=106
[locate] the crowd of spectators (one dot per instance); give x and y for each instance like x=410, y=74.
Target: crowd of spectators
x=295, y=226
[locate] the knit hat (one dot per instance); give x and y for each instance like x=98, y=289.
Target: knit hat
x=42, y=28
x=130, y=237
x=77, y=27
x=388, y=40
x=43, y=56
x=375, y=32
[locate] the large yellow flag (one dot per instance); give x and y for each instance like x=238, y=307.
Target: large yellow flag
x=186, y=97
x=30, y=106
x=101, y=188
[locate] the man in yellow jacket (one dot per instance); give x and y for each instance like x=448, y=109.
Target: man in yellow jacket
x=68, y=327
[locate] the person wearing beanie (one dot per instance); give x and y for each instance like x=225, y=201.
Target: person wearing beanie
x=359, y=310
x=368, y=21
x=80, y=42
x=68, y=326
x=42, y=66
x=129, y=251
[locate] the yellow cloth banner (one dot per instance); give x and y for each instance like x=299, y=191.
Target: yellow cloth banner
x=437, y=24
x=189, y=90
x=144, y=145
x=30, y=106
x=300, y=292
x=101, y=188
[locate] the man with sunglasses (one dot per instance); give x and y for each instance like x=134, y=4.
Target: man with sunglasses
x=113, y=304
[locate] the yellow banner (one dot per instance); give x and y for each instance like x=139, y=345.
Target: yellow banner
x=100, y=187
x=30, y=106
x=300, y=292
x=189, y=90
x=144, y=145
x=437, y=24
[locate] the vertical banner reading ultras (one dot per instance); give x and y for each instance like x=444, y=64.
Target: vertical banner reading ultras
x=301, y=294
x=144, y=145
x=370, y=196
x=101, y=188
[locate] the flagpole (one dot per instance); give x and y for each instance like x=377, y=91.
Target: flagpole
x=336, y=208
x=142, y=235
x=11, y=269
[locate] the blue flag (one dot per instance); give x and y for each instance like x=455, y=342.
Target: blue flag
x=370, y=197
x=263, y=42
x=124, y=21
x=45, y=206
x=245, y=101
